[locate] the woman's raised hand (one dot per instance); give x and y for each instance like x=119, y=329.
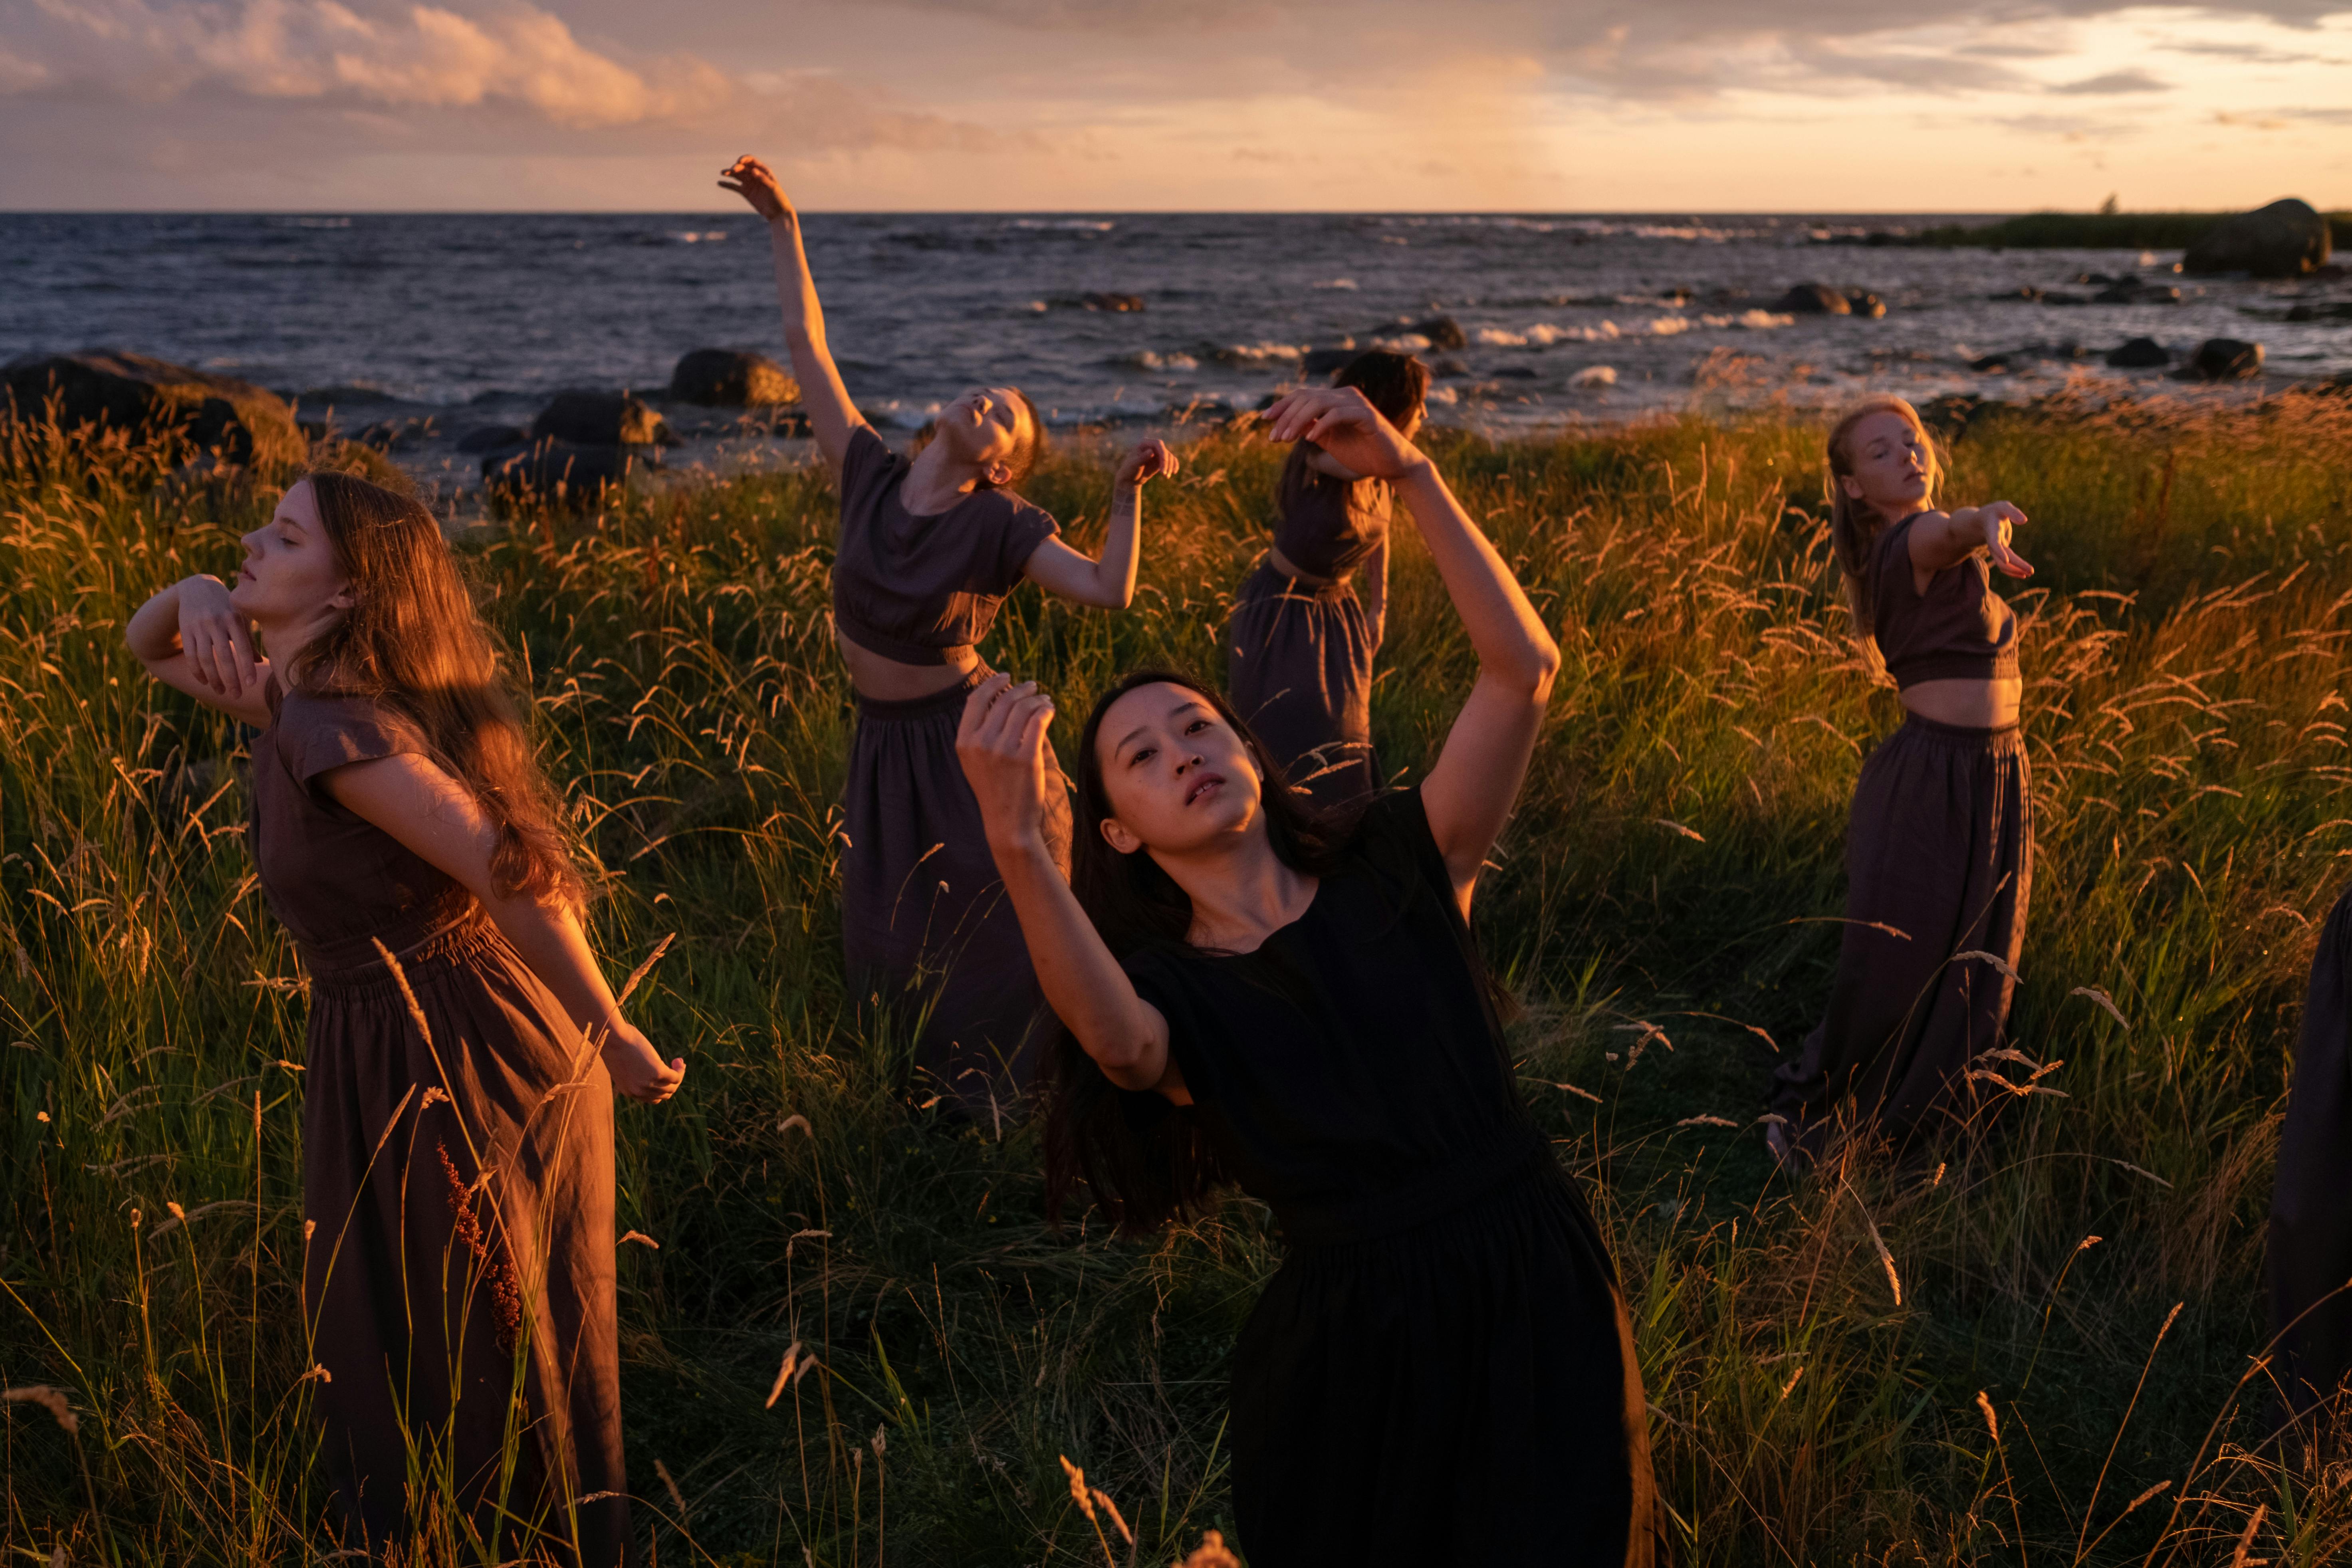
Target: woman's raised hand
x=637, y=1069
x=214, y=637
x=1001, y=742
x=1999, y=518
x=1148, y=461
x=751, y=179
x=1342, y=421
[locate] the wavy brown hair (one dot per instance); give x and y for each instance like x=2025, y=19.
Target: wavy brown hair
x=1027, y=457
x=1854, y=525
x=413, y=643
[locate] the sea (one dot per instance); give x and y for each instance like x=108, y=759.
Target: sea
x=437, y=325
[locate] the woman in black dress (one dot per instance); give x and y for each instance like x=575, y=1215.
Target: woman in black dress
x=1441, y=1370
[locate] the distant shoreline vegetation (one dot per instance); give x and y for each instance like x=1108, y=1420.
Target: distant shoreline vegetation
x=2099, y=231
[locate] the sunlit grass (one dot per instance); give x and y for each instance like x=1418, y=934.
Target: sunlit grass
x=1659, y=904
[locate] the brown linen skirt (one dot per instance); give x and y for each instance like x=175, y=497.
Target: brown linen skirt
x=1298, y=668
x=2310, y=1245
x=459, y=1275
x=932, y=943
x=1939, y=864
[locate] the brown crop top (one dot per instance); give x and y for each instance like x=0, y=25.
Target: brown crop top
x=1326, y=527
x=1958, y=630
x=910, y=587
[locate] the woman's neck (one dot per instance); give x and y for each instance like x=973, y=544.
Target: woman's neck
x=1241, y=894
x=936, y=480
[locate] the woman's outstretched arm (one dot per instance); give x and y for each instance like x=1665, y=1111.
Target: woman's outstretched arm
x=193, y=640
x=1109, y=583
x=832, y=416
x=1476, y=781
x=1001, y=744
x=1942, y=539
x=433, y=815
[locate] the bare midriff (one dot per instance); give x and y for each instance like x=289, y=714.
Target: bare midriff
x=1966, y=704
x=888, y=680
x=1288, y=568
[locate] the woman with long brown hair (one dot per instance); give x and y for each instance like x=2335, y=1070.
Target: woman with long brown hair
x=1441, y=1370
x=1308, y=620
x=462, y=1047
x=1939, y=846
x=930, y=548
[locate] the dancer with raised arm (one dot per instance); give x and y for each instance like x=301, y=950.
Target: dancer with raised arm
x=463, y=1045
x=928, y=552
x=1308, y=620
x=1939, y=847
x=1441, y=1371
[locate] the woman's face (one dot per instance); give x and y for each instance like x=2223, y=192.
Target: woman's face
x=291, y=574
x=1892, y=466
x=986, y=426
x=1178, y=777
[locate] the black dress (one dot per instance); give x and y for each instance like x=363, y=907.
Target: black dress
x=1441, y=1371
x=2310, y=1251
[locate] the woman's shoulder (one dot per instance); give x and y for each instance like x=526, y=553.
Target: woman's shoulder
x=1392, y=837
x=315, y=730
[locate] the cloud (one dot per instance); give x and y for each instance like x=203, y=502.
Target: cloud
x=2112, y=83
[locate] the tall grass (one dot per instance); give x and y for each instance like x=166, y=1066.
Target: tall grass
x=2041, y=1352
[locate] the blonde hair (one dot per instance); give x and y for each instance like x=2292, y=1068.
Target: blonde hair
x=1855, y=525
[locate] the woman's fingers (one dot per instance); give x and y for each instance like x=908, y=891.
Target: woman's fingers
x=975, y=707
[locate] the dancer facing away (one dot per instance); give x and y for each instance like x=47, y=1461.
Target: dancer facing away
x=929, y=549
x=1301, y=644
x=1939, y=847
x=1441, y=1370
x=457, y=1117
x=2310, y=1245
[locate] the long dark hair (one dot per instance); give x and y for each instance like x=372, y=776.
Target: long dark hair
x=1151, y=1165
x=1395, y=384
x=413, y=641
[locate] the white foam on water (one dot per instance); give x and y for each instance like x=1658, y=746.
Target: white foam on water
x=1593, y=375
x=1344, y=283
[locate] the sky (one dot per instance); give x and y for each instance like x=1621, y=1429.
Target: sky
x=1821, y=106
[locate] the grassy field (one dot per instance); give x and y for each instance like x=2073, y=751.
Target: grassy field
x=2045, y=1354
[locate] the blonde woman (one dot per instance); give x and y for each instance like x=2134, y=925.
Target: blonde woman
x=1939, y=847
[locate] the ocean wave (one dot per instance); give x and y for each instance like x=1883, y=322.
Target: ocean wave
x=1262, y=353
x=1062, y=225
x=697, y=237
x=1753, y=321
x=1346, y=283
x=1145, y=359
x=1593, y=375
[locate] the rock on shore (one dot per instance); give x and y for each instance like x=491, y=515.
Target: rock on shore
x=2285, y=239
x=2223, y=359
x=153, y=398
x=732, y=378
x=602, y=420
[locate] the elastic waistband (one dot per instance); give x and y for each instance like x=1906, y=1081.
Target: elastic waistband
x=1996, y=737
x=881, y=710
x=1270, y=576
x=1316, y=1227
x=357, y=966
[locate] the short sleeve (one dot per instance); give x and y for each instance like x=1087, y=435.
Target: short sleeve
x=867, y=462
x=1157, y=977
x=318, y=734
x=1019, y=531
x=1394, y=834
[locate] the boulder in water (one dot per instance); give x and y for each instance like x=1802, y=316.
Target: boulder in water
x=2140, y=353
x=732, y=378
x=1443, y=332
x=2284, y=239
x=564, y=471
x=1122, y=304
x=601, y=419
x=491, y=438
x=2223, y=359
x=1323, y=362
x=1867, y=305
x=153, y=399
x=1813, y=299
